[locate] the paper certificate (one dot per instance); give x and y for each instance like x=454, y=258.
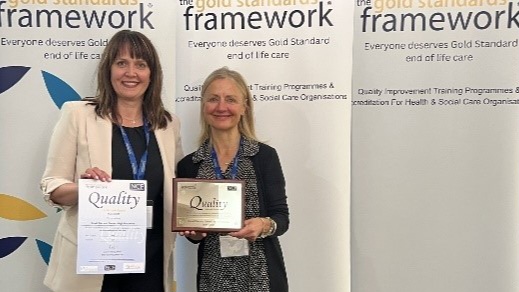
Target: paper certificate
x=111, y=227
x=207, y=205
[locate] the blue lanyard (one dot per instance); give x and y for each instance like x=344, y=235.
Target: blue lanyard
x=216, y=165
x=138, y=169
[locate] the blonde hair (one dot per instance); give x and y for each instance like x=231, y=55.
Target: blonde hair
x=246, y=124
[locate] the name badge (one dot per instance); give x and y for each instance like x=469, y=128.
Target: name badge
x=233, y=247
x=149, y=214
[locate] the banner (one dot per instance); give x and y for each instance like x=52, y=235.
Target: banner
x=296, y=58
x=49, y=53
x=435, y=145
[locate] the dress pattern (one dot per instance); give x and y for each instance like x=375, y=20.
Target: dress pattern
x=240, y=273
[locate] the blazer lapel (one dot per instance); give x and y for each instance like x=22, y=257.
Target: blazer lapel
x=166, y=147
x=99, y=141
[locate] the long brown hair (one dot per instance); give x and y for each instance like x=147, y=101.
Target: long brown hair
x=140, y=47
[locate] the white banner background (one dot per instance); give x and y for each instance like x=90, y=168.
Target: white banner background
x=434, y=171
x=311, y=134
x=314, y=153
x=28, y=112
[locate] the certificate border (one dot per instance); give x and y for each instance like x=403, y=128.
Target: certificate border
x=88, y=260
x=176, y=228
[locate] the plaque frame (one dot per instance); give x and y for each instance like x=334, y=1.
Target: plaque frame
x=211, y=213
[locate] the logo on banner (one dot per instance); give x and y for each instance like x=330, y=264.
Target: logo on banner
x=61, y=14
x=12, y=207
x=16, y=209
x=60, y=92
x=282, y=15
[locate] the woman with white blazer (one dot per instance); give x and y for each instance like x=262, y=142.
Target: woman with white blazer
x=91, y=141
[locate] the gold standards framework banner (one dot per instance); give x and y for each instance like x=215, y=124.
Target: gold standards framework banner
x=435, y=142
x=49, y=52
x=296, y=58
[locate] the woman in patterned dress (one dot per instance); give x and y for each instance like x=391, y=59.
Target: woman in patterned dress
x=229, y=149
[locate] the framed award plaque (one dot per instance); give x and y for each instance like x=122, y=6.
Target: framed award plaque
x=208, y=205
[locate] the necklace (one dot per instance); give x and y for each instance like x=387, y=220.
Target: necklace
x=131, y=121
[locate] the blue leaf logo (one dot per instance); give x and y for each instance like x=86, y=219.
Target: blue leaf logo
x=45, y=250
x=9, y=76
x=59, y=90
x=9, y=244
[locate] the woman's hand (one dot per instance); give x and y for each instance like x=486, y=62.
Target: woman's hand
x=67, y=194
x=252, y=229
x=97, y=174
x=193, y=235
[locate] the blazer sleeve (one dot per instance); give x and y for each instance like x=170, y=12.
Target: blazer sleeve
x=61, y=159
x=272, y=187
x=186, y=168
x=179, y=153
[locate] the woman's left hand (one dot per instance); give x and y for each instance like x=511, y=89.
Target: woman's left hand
x=251, y=231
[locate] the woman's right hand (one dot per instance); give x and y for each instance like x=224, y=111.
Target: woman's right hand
x=67, y=194
x=97, y=174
